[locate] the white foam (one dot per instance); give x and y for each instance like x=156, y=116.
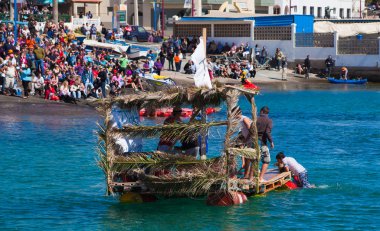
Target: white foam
x=324, y=186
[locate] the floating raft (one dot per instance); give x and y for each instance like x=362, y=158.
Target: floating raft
x=273, y=180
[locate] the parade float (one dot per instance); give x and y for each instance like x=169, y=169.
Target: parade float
x=136, y=172
x=137, y=175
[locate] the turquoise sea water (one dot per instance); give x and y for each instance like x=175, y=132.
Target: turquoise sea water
x=49, y=178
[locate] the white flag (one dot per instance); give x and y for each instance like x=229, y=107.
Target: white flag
x=201, y=77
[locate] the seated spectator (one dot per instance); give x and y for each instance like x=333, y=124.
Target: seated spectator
x=50, y=93
x=64, y=93
x=187, y=68
x=38, y=84
x=212, y=48
x=146, y=68
x=157, y=67
x=226, y=48
x=219, y=48
x=233, y=50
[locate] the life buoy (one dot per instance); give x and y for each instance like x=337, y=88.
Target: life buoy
x=142, y=112
x=226, y=198
x=186, y=112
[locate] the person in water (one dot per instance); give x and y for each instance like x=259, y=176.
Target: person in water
x=167, y=144
x=298, y=171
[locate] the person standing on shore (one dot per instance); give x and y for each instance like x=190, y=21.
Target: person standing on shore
x=307, y=66
x=162, y=56
x=26, y=77
x=284, y=68
x=103, y=78
x=10, y=77
x=279, y=55
x=170, y=58
x=177, y=61
x=40, y=56
x=264, y=129
x=329, y=62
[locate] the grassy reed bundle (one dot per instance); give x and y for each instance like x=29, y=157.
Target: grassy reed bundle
x=177, y=131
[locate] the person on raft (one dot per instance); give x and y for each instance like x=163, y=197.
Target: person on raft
x=244, y=139
x=167, y=144
x=264, y=129
x=299, y=173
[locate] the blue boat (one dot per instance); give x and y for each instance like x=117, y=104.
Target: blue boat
x=349, y=81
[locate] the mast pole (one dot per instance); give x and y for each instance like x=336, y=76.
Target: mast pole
x=204, y=134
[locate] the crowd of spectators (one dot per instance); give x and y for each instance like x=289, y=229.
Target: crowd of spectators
x=50, y=62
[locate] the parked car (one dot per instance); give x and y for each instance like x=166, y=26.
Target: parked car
x=136, y=33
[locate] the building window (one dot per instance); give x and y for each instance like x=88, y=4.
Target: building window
x=341, y=13
x=319, y=13
x=312, y=10
x=294, y=9
x=276, y=10
x=348, y=13
x=304, y=10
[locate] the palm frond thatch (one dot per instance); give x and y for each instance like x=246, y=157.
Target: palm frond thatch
x=195, y=185
x=156, y=161
x=175, y=131
x=248, y=153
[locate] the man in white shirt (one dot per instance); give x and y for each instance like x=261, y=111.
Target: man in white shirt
x=10, y=77
x=298, y=171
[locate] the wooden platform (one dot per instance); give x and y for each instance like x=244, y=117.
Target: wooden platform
x=273, y=179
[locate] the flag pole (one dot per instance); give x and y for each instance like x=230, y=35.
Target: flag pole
x=204, y=35
x=204, y=133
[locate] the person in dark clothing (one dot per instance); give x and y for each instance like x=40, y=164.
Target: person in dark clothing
x=329, y=62
x=264, y=129
x=187, y=67
x=32, y=27
x=170, y=58
x=307, y=67
x=103, y=78
x=162, y=56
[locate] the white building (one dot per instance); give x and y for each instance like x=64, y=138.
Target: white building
x=338, y=8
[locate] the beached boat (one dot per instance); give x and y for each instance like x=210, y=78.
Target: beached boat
x=136, y=50
x=133, y=51
x=349, y=81
x=137, y=174
x=157, y=81
x=90, y=44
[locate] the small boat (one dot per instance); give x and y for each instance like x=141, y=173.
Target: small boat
x=349, y=81
x=158, y=80
x=90, y=44
x=136, y=51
